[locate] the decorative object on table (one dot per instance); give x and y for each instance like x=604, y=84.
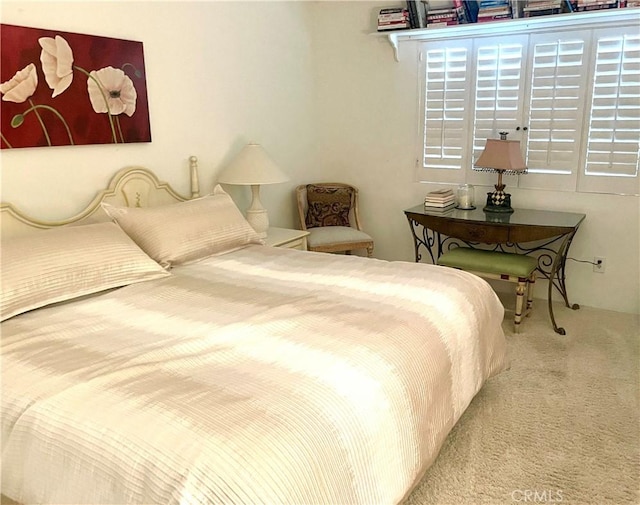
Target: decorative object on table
x=253, y=167
x=329, y=212
x=94, y=89
x=440, y=200
x=502, y=156
x=465, y=197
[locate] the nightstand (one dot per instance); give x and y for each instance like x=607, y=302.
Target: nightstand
x=285, y=237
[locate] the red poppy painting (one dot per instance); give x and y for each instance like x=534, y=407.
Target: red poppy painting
x=60, y=89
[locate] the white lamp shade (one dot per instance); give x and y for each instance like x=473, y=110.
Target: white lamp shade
x=502, y=155
x=252, y=166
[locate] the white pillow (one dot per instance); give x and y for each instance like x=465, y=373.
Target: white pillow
x=186, y=231
x=63, y=263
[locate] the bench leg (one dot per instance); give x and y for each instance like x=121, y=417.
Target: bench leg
x=520, y=290
x=530, y=285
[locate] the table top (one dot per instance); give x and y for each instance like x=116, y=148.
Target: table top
x=520, y=217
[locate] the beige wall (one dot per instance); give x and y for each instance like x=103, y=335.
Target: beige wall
x=323, y=95
x=219, y=74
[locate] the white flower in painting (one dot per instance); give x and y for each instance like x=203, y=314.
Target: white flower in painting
x=21, y=86
x=114, y=86
x=57, y=61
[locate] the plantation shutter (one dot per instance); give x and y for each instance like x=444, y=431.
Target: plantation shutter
x=555, y=110
x=446, y=68
x=498, y=94
x=571, y=97
x=613, y=141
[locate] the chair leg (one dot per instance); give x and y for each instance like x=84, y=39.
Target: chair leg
x=370, y=251
x=520, y=289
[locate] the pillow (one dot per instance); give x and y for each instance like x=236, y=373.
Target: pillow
x=64, y=263
x=327, y=206
x=186, y=231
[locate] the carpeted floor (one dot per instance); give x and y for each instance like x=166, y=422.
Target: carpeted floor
x=561, y=425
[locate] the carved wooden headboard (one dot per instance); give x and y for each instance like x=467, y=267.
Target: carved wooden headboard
x=130, y=186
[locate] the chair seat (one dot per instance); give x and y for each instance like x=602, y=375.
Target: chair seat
x=491, y=262
x=333, y=235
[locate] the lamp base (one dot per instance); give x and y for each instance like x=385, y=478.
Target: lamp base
x=498, y=201
x=259, y=221
x=256, y=214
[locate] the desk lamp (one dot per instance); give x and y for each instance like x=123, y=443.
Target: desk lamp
x=253, y=167
x=502, y=156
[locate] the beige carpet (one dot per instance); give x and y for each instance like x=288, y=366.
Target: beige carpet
x=560, y=426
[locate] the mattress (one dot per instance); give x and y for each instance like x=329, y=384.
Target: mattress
x=264, y=375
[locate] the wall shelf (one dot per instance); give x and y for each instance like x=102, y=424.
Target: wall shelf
x=605, y=17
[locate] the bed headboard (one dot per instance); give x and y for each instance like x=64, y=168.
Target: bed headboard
x=130, y=186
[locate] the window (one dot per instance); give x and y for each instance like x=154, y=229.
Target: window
x=572, y=97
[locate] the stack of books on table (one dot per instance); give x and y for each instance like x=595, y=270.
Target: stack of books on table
x=440, y=200
x=494, y=10
x=393, y=19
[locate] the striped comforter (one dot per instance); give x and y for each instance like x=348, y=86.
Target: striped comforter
x=261, y=376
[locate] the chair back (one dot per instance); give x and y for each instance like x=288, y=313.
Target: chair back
x=327, y=189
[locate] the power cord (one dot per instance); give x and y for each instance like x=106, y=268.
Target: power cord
x=595, y=263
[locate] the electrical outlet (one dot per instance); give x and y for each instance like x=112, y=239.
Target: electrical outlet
x=599, y=264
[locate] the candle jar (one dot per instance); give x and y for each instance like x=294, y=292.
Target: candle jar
x=465, y=197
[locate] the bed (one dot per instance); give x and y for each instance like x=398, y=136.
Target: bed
x=145, y=361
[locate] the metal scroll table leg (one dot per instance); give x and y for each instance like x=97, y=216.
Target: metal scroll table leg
x=428, y=241
x=557, y=278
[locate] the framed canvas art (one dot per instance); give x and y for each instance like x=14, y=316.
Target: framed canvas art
x=60, y=88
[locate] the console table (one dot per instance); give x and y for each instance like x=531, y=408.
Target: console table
x=547, y=235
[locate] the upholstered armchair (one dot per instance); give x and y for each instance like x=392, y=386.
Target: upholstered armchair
x=329, y=212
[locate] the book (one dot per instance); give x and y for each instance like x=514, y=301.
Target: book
x=439, y=200
x=439, y=197
x=439, y=24
x=492, y=3
x=422, y=12
x=440, y=193
x=440, y=209
x=471, y=8
x=503, y=9
x=413, y=13
x=439, y=204
x=393, y=26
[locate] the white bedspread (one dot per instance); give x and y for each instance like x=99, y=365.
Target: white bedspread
x=261, y=376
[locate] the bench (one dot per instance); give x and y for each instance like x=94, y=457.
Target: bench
x=510, y=267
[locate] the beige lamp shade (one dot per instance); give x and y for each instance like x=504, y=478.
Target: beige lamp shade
x=501, y=155
x=252, y=166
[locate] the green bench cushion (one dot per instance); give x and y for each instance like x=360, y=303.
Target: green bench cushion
x=492, y=262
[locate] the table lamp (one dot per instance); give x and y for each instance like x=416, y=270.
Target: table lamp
x=502, y=156
x=253, y=167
